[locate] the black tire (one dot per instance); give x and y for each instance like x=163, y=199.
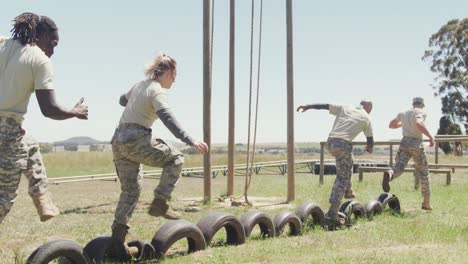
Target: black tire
x=173, y=231
x=105, y=248
x=146, y=251
x=63, y=249
x=212, y=222
x=287, y=218
x=373, y=207
x=382, y=198
x=253, y=218
x=311, y=209
x=391, y=200
x=351, y=208
x=327, y=169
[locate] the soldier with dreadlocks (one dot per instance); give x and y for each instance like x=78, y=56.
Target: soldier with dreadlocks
x=25, y=68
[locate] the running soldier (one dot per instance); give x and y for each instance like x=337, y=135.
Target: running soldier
x=349, y=122
x=25, y=68
x=133, y=145
x=411, y=146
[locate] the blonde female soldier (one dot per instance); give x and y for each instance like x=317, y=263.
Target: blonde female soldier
x=133, y=145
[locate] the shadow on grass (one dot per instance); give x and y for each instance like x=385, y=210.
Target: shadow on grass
x=259, y=237
x=411, y=213
x=219, y=243
x=85, y=210
x=174, y=253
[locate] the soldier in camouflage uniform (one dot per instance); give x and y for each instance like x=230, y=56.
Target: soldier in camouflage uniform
x=133, y=145
x=411, y=146
x=349, y=122
x=25, y=68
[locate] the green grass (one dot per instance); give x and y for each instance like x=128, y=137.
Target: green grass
x=415, y=236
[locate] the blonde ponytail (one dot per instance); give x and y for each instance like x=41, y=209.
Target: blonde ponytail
x=159, y=65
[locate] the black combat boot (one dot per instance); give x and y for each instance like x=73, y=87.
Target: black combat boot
x=119, y=232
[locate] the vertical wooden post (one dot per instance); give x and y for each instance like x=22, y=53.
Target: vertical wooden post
x=232, y=93
x=290, y=99
x=391, y=155
x=322, y=167
x=207, y=98
x=436, y=149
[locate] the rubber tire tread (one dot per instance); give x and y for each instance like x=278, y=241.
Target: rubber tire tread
x=253, y=218
x=49, y=251
x=391, y=200
x=382, y=198
x=312, y=209
x=287, y=218
x=350, y=208
x=212, y=222
x=146, y=251
x=373, y=207
x=173, y=231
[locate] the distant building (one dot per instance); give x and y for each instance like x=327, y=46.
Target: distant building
x=58, y=149
x=83, y=148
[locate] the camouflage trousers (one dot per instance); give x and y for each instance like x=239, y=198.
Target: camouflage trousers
x=132, y=146
x=342, y=150
x=413, y=148
x=19, y=155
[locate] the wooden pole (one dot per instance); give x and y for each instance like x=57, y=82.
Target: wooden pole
x=231, y=143
x=290, y=99
x=436, y=149
x=322, y=169
x=391, y=155
x=207, y=98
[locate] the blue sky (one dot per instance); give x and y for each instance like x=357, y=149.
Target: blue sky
x=343, y=51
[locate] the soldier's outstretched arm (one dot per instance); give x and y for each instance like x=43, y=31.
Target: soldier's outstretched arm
x=303, y=108
x=51, y=109
x=370, y=144
x=170, y=121
x=394, y=124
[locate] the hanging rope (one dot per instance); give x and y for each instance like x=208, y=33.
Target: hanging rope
x=258, y=93
x=247, y=169
x=250, y=160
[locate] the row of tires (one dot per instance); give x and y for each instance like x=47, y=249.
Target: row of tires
x=200, y=235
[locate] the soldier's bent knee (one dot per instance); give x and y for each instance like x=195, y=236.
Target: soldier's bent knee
x=178, y=161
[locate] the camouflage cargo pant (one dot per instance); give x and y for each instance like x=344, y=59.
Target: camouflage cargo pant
x=133, y=146
x=19, y=154
x=413, y=148
x=342, y=150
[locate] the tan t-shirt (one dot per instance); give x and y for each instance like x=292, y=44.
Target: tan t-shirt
x=349, y=122
x=144, y=100
x=23, y=69
x=408, y=122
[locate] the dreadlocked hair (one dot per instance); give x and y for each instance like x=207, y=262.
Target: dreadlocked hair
x=159, y=65
x=28, y=26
